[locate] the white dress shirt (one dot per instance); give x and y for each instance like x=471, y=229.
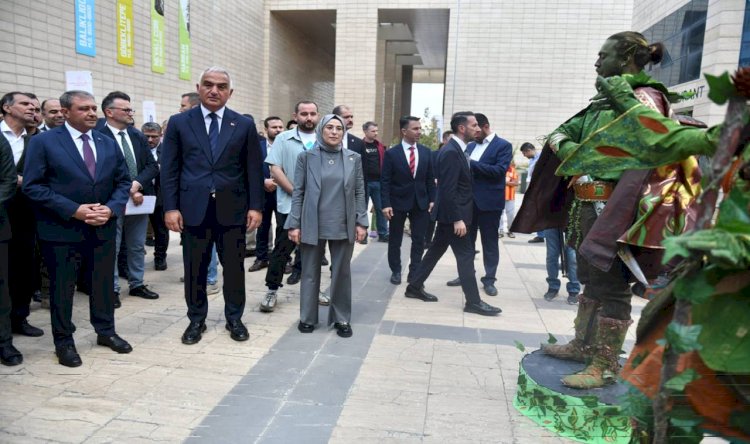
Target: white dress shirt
x=207, y=120
x=16, y=142
x=460, y=142
x=476, y=154
x=406, y=147
x=116, y=132
x=76, y=135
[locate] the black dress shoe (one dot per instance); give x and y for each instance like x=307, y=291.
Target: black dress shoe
x=26, y=329
x=150, y=242
x=258, y=265
x=363, y=241
x=114, y=342
x=237, y=330
x=305, y=328
x=117, y=303
x=454, y=283
x=383, y=239
x=482, y=308
x=143, y=292
x=192, y=334
x=68, y=356
x=324, y=262
x=396, y=278
x=490, y=289
x=419, y=293
x=37, y=296
x=343, y=329
x=160, y=264
x=536, y=240
x=249, y=253
x=294, y=277
x=10, y=355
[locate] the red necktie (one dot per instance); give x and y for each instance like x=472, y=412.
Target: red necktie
x=412, y=161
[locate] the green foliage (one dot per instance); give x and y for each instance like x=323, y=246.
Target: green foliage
x=636, y=405
x=551, y=339
x=720, y=88
x=519, y=346
x=726, y=344
x=733, y=213
x=741, y=420
x=694, y=288
x=683, y=338
x=678, y=382
x=685, y=425
x=639, y=359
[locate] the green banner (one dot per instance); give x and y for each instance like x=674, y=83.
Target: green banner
x=157, y=36
x=184, y=28
x=124, y=16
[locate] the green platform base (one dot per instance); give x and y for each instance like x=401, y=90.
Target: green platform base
x=590, y=416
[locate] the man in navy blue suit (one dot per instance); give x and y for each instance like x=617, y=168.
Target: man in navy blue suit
x=78, y=183
x=489, y=159
x=142, y=167
x=453, y=211
x=212, y=188
x=407, y=191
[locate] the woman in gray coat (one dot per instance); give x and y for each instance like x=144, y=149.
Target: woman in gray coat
x=328, y=206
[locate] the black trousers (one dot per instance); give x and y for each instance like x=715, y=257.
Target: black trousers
x=261, y=235
x=161, y=232
x=280, y=255
x=196, y=250
x=611, y=288
x=24, y=272
x=462, y=248
x=6, y=338
x=61, y=260
x=418, y=219
x=488, y=224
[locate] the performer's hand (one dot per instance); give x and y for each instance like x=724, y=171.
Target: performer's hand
x=173, y=220
x=295, y=235
x=361, y=233
x=254, y=218
x=459, y=228
x=388, y=213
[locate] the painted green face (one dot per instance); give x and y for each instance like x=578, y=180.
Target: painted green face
x=609, y=62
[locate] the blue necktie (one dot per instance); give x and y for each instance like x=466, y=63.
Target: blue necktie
x=213, y=135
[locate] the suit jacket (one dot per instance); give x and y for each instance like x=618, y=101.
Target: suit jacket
x=488, y=174
x=399, y=190
x=357, y=145
x=266, y=167
x=145, y=164
x=57, y=182
x=454, y=200
x=8, y=179
x=189, y=171
x=306, y=195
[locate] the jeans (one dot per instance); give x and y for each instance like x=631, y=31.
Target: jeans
x=554, y=240
x=213, y=267
x=133, y=230
x=373, y=188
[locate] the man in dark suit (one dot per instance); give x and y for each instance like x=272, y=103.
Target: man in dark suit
x=152, y=132
x=354, y=143
x=408, y=190
x=453, y=211
x=9, y=355
x=78, y=182
x=142, y=169
x=489, y=159
x=212, y=186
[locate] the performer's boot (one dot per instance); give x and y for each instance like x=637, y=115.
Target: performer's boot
x=606, y=347
x=579, y=349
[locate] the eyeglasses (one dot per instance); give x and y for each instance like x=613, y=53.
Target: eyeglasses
x=125, y=110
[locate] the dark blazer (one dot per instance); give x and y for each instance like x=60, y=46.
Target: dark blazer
x=266, y=167
x=454, y=198
x=145, y=164
x=488, y=174
x=399, y=190
x=188, y=170
x=57, y=182
x=8, y=179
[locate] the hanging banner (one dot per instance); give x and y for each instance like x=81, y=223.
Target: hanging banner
x=85, y=35
x=124, y=16
x=157, y=36
x=184, y=29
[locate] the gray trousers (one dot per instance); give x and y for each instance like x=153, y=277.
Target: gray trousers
x=340, y=309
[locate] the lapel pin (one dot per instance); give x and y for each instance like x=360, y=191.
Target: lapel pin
x=231, y=123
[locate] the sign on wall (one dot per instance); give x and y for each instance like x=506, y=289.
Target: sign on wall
x=157, y=36
x=184, y=31
x=85, y=30
x=79, y=81
x=124, y=15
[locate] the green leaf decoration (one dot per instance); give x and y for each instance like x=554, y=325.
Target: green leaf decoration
x=678, y=382
x=726, y=331
x=573, y=417
x=733, y=214
x=741, y=420
x=639, y=359
x=590, y=401
x=683, y=338
x=694, y=288
x=551, y=339
x=720, y=88
x=673, y=247
x=519, y=346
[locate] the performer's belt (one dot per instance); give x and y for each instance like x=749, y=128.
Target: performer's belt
x=596, y=191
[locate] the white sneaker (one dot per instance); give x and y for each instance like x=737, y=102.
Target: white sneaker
x=268, y=304
x=212, y=288
x=324, y=299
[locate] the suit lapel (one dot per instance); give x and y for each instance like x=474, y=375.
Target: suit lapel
x=228, y=124
x=66, y=140
x=491, y=147
x=101, y=152
x=198, y=124
x=348, y=165
x=424, y=153
x=314, y=157
x=402, y=155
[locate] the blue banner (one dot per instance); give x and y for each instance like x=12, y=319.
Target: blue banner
x=85, y=32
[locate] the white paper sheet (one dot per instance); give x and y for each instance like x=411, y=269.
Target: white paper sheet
x=147, y=207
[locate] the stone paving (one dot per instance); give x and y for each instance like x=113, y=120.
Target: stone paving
x=412, y=372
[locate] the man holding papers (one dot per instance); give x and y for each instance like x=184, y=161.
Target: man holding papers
x=142, y=167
